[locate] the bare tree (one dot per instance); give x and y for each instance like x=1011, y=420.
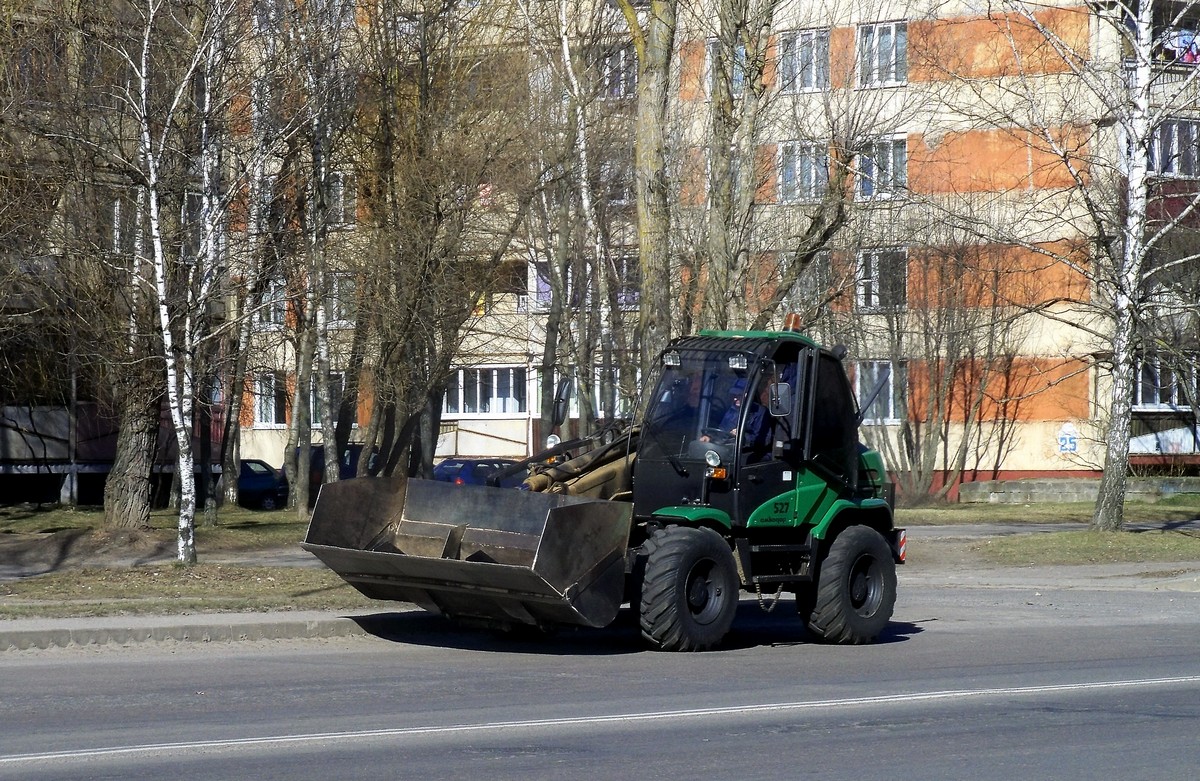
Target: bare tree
x=177, y=74
x=68, y=110
x=927, y=324
x=580, y=230
x=316, y=35
x=263, y=124
x=434, y=79
x=652, y=29
x=1098, y=114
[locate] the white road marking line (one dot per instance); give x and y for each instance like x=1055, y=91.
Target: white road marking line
x=175, y=749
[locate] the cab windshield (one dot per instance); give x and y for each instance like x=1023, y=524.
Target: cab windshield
x=692, y=399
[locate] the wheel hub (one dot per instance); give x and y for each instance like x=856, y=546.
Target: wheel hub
x=703, y=593
x=864, y=590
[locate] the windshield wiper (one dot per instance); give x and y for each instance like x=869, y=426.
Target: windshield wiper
x=676, y=464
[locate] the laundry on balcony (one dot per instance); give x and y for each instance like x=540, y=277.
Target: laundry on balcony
x=1181, y=46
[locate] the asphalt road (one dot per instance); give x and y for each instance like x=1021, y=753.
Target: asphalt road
x=972, y=681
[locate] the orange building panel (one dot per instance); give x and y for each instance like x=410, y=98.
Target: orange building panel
x=992, y=275
x=692, y=55
x=997, y=160
x=693, y=178
x=1024, y=388
x=766, y=173
x=246, y=414
x=997, y=45
x=1058, y=390
x=971, y=161
x=841, y=57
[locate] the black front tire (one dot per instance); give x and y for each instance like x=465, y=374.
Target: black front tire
x=856, y=588
x=689, y=589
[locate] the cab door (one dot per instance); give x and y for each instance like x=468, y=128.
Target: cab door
x=767, y=478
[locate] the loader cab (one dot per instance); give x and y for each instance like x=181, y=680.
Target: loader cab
x=741, y=425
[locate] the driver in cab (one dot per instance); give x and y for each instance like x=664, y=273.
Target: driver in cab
x=758, y=418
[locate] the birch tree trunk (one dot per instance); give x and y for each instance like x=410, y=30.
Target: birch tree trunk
x=1128, y=282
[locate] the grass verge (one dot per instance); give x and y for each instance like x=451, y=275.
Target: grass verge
x=238, y=529
x=1177, y=508
x=80, y=584
x=1089, y=547
x=175, y=590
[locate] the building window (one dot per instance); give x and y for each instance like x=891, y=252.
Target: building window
x=272, y=313
x=192, y=220
x=814, y=289
x=341, y=301
x=1175, y=148
x=883, y=169
x=621, y=407
x=882, y=279
x=1166, y=382
x=37, y=63
x=125, y=225
x=268, y=15
x=737, y=68
x=334, y=14
x=889, y=378
x=1178, y=46
x=629, y=277
x=576, y=295
x=343, y=200
x=804, y=61
x=803, y=171
x=618, y=72
x=486, y=391
x=543, y=290
x=335, y=387
x=616, y=179
x=271, y=399
x=882, y=54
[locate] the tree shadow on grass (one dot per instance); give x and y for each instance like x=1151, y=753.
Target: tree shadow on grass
x=28, y=555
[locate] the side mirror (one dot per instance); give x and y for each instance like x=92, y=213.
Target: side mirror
x=779, y=403
x=562, y=403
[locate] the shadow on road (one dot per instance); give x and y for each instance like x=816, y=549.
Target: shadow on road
x=752, y=628
x=419, y=628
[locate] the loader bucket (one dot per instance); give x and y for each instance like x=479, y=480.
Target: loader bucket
x=498, y=555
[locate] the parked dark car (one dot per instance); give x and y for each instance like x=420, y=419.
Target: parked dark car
x=261, y=486
x=347, y=466
x=475, y=471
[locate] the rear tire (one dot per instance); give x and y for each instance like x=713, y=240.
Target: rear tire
x=689, y=589
x=856, y=588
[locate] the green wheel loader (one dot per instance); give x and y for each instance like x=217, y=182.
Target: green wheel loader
x=744, y=474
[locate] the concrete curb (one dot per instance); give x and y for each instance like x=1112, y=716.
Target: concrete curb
x=120, y=631
x=21, y=635
x=125, y=631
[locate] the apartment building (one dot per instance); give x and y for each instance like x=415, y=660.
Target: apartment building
x=957, y=155
x=966, y=280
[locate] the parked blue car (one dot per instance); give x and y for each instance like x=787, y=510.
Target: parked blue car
x=475, y=471
x=261, y=486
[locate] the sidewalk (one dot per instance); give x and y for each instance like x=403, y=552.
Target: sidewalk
x=116, y=631
x=927, y=568
x=28, y=633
